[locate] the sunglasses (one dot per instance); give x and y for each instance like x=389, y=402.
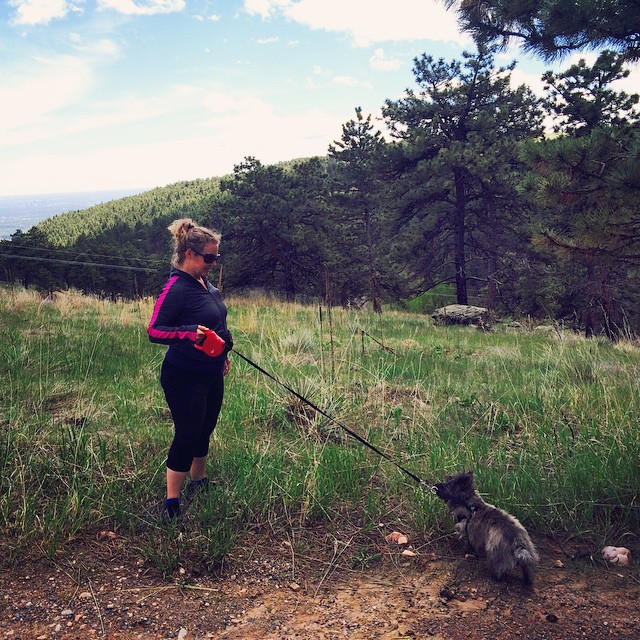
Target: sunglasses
x=207, y=257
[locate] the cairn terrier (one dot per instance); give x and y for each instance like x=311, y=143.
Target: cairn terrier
x=487, y=530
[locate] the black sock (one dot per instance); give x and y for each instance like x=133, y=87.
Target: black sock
x=173, y=507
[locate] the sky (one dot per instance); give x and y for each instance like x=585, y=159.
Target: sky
x=137, y=94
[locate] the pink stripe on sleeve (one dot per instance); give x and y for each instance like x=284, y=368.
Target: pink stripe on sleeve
x=166, y=335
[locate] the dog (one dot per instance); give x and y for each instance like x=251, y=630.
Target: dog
x=487, y=530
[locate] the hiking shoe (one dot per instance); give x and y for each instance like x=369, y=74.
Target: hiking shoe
x=196, y=487
x=171, y=513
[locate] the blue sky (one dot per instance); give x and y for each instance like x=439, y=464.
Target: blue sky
x=114, y=94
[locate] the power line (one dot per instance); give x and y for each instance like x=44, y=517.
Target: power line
x=76, y=253
x=82, y=263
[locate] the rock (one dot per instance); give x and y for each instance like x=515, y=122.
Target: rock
x=462, y=314
x=397, y=537
x=544, y=328
x=616, y=555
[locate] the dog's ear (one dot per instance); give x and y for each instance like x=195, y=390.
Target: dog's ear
x=466, y=481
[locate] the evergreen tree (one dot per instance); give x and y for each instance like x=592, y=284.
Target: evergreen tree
x=580, y=98
x=456, y=163
x=359, y=191
x=276, y=227
x=590, y=175
x=550, y=28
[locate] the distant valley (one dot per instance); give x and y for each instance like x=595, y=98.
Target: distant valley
x=22, y=212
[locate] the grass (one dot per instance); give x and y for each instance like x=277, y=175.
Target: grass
x=548, y=422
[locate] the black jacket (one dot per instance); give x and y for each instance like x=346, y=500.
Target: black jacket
x=184, y=304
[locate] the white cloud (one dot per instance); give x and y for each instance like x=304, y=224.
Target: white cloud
x=345, y=81
x=38, y=89
x=264, y=8
x=350, y=82
x=143, y=7
x=531, y=80
x=46, y=100
x=369, y=22
x=219, y=102
x=250, y=128
x=33, y=12
x=380, y=62
x=102, y=49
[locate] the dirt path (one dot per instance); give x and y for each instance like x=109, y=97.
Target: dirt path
x=96, y=591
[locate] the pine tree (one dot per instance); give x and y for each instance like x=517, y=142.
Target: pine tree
x=357, y=153
x=551, y=28
x=456, y=163
x=590, y=175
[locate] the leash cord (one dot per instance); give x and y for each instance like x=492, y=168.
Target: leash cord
x=353, y=434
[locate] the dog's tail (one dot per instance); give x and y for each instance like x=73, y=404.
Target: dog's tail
x=526, y=556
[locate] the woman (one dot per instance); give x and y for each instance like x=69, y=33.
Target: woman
x=187, y=311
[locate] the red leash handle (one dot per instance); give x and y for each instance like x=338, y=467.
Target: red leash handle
x=213, y=345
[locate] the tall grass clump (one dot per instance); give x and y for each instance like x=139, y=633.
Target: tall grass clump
x=547, y=422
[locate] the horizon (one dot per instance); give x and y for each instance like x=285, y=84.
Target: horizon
x=134, y=190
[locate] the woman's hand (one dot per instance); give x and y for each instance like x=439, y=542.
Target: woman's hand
x=201, y=334
x=227, y=366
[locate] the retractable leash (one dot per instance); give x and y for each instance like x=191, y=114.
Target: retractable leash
x=214, y=345
x=321, y=411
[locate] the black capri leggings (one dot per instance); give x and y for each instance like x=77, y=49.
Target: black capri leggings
x=195, y=400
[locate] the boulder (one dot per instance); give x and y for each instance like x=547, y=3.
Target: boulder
x=464, y=314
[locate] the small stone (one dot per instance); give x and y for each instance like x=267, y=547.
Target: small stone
x=66, y=613
x=552, y=617
x=294, y=586
x=558, y=564
x=85, y=595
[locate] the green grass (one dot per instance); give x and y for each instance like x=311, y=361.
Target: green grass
x=548, y=423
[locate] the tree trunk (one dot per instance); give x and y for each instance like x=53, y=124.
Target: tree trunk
x=589, y=315
x=611, y=326
x=373, y=278
x=459, y=233
x=492, y=291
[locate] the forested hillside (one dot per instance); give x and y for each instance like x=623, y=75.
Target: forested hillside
x=195, y=196
x=468, y=200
